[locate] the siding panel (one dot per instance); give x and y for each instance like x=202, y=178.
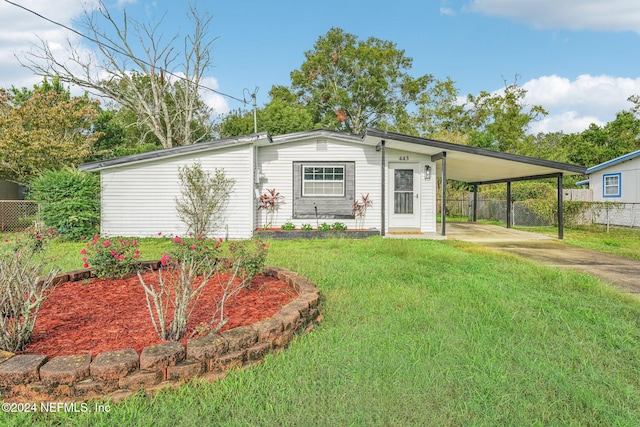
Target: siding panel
x=140, y=200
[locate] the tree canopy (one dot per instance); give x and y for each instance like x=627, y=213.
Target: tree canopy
x=44, y=128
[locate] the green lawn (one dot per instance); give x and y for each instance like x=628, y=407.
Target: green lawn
x=624, y=242
x=420, y=332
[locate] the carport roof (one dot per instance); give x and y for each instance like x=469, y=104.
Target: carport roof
x=476, y=165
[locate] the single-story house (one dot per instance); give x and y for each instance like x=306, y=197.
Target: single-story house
x=320, y=173
x=617, y=180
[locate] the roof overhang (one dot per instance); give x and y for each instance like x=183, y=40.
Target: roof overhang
x=476, y=165
x=200, y=147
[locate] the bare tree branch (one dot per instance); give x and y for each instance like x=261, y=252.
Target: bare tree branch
x=161, y=88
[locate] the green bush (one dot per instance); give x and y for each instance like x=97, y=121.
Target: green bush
x=288, y=226
x=338, y=226
x=109, y=258
x=69, y=201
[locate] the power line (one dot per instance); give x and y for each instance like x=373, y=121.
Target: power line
x=115, y=49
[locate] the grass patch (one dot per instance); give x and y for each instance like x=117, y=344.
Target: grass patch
x=421, y=332
x=624, y=242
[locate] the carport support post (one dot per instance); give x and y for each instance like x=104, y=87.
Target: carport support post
x=560, y=209
x=475, y=203
x=443, y=208
x=508, y=204
x=383, y=188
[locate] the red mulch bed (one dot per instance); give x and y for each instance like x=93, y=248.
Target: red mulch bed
x=98, y=315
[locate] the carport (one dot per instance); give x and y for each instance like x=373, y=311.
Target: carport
x=478, y=166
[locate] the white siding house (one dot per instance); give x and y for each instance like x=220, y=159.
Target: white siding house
x=617, y=180
x=320, y=174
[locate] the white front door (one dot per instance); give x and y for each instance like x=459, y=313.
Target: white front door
x=404, y=191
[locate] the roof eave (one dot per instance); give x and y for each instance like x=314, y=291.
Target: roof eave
x=613, y=162
x=449, y=146
x=173, y=152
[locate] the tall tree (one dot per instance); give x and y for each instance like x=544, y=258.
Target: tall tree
x=165, y=105
x=44, y=130
x=501, y=120
x=282, y=114
x=350, y=84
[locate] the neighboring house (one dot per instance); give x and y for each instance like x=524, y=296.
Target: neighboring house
x=318, y=172
x=10, y=190
x=617, y=180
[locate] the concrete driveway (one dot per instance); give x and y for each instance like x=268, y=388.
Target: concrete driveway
x=622, y=273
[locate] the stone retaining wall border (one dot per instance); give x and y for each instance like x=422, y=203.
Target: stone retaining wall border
x=118, y=374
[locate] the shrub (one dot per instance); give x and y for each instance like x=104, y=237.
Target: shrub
x=338, y=226
x=200, y=249
x=247, y=259
x=324, y=227
x=204, y=198
x=111, y=257
x=306, y=227
x=25, y=281
x=69, y=201
x=179, y=287
x=288, y=226
x=184, y=275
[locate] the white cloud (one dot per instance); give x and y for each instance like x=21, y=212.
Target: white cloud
x=20, y=30
x=574, y=105
x=214, y=100
x=610, y=15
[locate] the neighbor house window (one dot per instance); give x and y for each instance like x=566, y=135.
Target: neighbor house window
x=323, y=180
x=611, y=184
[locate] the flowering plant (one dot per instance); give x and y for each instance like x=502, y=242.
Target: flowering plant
x=111, y=257
x=247, y=259
x=360, y=208
x=270, y=202
x=187, y=249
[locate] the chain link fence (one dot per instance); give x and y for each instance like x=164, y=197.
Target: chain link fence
x=17, y=215
x=523, y=213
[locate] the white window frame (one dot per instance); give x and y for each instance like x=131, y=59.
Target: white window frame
x=323, y=166
x=616, y=188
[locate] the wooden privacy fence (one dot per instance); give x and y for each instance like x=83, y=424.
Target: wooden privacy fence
x=17, y=215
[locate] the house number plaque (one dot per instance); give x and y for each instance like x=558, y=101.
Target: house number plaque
x=404, y=157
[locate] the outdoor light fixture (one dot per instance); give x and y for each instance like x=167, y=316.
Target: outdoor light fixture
x=427, y=172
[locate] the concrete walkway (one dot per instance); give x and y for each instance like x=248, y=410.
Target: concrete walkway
x=622, y=273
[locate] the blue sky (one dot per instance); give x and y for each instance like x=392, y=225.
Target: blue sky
x=577, y=58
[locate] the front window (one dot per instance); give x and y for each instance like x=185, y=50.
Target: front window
x=325, y=180
x=611, y=185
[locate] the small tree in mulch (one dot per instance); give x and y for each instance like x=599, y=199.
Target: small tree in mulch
x=26, y=277
x=204, y=198
x=193, y=264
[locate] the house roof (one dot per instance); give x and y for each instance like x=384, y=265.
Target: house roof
x=173, y=152
x=464, y=163
x=615, y=161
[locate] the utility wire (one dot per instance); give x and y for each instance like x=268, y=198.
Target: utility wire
x=115, y=49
